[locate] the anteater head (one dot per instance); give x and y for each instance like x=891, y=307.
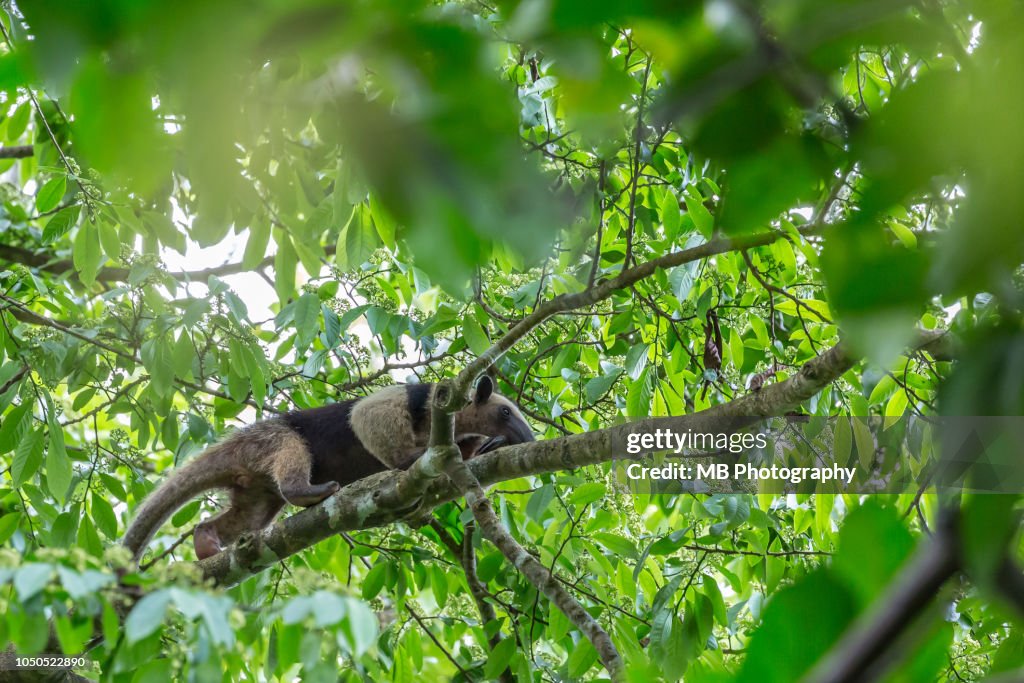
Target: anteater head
x=493, y=415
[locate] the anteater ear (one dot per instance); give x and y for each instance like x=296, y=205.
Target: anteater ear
x=484, y=388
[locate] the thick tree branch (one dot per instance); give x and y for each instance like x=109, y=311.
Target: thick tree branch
x=388, y=497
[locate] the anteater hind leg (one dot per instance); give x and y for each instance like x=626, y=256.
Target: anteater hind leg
x=292, y=465
x=250, y=510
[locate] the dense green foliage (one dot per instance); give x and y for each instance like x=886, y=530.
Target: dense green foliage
x=410, y=179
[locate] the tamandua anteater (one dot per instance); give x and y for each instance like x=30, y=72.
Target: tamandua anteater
x=306, y=455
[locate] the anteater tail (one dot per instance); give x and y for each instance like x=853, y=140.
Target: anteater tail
x=202, y=474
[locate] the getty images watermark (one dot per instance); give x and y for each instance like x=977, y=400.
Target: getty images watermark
x=735, y=443
x=818, y=454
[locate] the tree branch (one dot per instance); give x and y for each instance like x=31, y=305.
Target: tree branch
x=16, y=152
x=443, y=454
x=14, y=379
x=535, y=571
x=44, y=261
x=696, y=98
x=854, y=657
x=467, y=557
x=605, y=289
x=31, y=317
x=388, y=497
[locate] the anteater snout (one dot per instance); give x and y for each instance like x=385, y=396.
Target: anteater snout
x=523, y=433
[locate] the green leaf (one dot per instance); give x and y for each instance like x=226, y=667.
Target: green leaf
x=13, y=426
x=638, y=398
x=865, y=441
x=373, y=582
x=670, y=214
x=662, y=625
x=60, y=223
x=558, y=623
x=736, y=348
x=636, y=360
x=475, y=336
x=356, y=241
x=311, y=256
x=256, y=245
x=618, y=545
x=540, y=501
x=499, y=658
x=297, y=609
x=597, y=387
x=284, y=265
x=146, y=616
x=489, y=566
x=328, y=608
x=895, y=408
x=1010, y=654
x=50, y=193
x=582, y=657
x=110, y=240
x=989, y=522
x=675, y=651
x=363, y=626
x=8, y=525
x=31, y=578
x=439, y=586
x=819, y=608
x=158, y=359
x=588, y=493
x=58, y=465
x=383, y=222
x=307, y=320
x=103, y=515
x=88, y=539
x=681, y=278
x=873, y=544
x=842, y=440
x=351, y=315
x=885, y=385
x=320, y=219
x=624, y=581
x=904, y=234
x=714, y=595
x=28, y=456
x=62, y=533
x=668, y=544
x=154, y=671
x=185, y=514
x=702, y=218
x=18, y=122
x=760, y=331
x=86, y=254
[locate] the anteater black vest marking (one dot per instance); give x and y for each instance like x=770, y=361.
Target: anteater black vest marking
x=338, y=454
